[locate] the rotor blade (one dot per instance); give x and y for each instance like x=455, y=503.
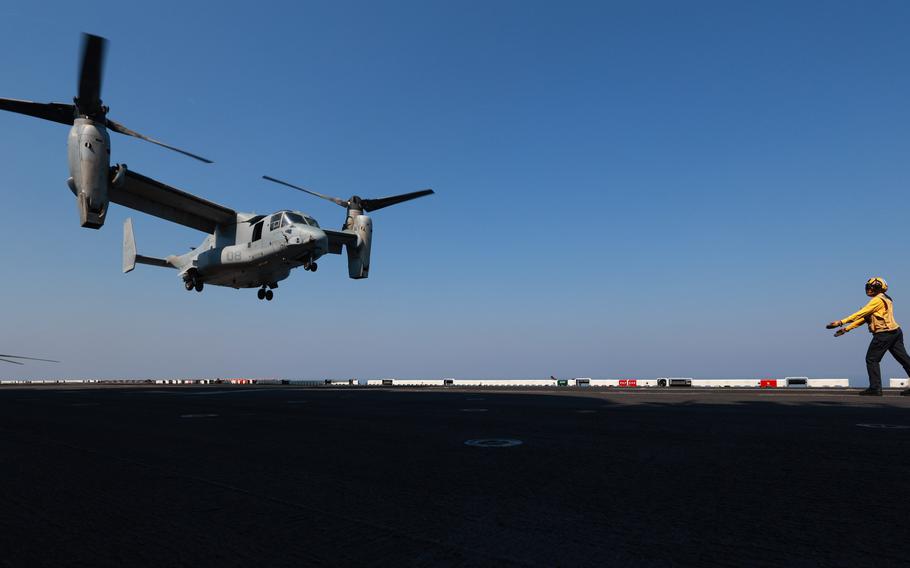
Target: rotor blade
x=13, y=362
x=117, y=127
x=374, y=204
x=57, y=112
x=90, y=74
x=29, y=358
x=335, y=200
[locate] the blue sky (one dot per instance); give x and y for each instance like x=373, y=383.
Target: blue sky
x=623, y=188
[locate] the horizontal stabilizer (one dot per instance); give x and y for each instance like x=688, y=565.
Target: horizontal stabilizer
x=152, y=261
x=130, y=257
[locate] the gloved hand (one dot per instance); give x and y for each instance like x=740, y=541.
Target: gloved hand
x=834, y=324
x=840, y=332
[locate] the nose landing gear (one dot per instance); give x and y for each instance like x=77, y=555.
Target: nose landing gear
x=310, y=265
x=264, y=294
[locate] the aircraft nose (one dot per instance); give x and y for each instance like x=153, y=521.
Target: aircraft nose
x=311, y=236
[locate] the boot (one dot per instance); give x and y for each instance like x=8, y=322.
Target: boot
x=871, y=392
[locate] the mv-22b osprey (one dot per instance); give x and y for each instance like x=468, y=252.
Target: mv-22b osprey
x=244, y=250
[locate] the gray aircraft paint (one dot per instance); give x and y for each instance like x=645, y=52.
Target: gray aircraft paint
x=231, y=257
x=89, y=157
x=250, y=251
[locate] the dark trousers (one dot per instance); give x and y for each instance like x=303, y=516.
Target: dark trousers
x=892, y=341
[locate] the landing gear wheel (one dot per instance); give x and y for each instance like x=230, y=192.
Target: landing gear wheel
x=269, y=295
x=314, y=266
x=199, y=286
x=188, y=285
x=261, y=294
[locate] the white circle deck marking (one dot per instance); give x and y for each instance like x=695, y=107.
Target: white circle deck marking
x=473, y=409
x=493, y=443
x=886, y=426
x=198, y=415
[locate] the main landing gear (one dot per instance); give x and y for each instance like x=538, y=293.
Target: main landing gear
x=265, y=294
x=311, y=266
x=191, y=282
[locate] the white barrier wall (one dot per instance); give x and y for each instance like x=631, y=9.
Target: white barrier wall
x=749, y=383
x=418, y=382
x=624, y=383
x=829, y=383
x=507, y=382
x=900, y=383
x=791, y=382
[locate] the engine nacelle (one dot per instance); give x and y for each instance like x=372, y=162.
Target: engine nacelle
x=359, y=258
x=88, y=149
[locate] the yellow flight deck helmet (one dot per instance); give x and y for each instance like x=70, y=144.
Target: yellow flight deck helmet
x=877, y=285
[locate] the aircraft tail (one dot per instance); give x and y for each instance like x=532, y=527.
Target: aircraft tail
x=130, y=257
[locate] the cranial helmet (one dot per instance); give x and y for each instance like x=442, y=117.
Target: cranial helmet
x=877, y=285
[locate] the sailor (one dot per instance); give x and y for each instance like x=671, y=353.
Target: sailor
x=886, y=334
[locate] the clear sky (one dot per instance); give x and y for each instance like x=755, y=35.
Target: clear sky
x=623, y=188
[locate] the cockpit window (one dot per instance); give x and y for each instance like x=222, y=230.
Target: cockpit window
x=295, y=218
x=275, y=221
x=302, y=219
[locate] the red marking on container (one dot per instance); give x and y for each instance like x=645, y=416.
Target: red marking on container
x=767, y=383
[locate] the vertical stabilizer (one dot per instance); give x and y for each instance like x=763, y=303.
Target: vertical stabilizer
x=129, y=247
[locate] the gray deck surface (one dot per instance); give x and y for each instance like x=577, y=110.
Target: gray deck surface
x=290, y=476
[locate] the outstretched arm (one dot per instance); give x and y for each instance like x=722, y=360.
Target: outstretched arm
x=852, y=325
x=856, y=319
x=859, y=317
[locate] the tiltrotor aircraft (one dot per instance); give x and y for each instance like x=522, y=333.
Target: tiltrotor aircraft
x=9, y=359
x=91, y=179
x=244, y=250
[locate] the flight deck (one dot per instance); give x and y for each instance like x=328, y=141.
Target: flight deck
x=287, y=475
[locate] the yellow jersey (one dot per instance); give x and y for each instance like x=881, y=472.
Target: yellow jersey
x=878, y=313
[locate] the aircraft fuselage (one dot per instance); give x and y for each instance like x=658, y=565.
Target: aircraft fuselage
x=253, y=255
